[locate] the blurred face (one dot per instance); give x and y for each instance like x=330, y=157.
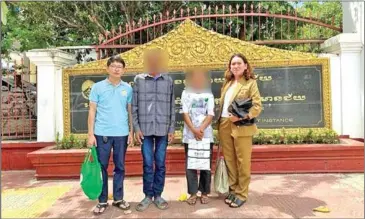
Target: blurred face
x=115, y=69
x=238, y=66
x=154, y=62
x=198, y=80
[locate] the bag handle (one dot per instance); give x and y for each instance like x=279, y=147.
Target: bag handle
x=91, y=153
x=218, y=155
x=87, y=157
x=94, y=154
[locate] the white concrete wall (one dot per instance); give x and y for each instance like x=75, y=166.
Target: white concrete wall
x=353, y=22
x=361, y=30
x=362, y=86
x=349, y=16
x=49, y=91
x=58, y=95
x=351, y=94
x=349, y=46
x=46, y=103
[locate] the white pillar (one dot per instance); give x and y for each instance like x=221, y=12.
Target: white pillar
x=353, y=22
x=348, y=46
x=362, y=85
x=49, y=90
x=361, y=31
x=353, y=16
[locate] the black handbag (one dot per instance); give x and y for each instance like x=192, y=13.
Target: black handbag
x=240, y=108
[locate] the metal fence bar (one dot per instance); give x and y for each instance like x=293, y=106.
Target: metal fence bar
x=18, y=104
x=288, y=27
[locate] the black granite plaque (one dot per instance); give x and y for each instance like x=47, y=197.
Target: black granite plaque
x=291, y=96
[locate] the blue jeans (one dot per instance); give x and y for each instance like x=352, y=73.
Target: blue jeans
x=104, y=147
x=154, y=154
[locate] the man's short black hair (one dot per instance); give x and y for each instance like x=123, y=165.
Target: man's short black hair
x=115, y=58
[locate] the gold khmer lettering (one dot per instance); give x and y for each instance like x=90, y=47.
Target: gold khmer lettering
x=265, y=78
x=288, y=97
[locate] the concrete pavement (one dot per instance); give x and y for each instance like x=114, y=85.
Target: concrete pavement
x=271, y=196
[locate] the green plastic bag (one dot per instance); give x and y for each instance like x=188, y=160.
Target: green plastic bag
x=221, y=185
x=91, y=179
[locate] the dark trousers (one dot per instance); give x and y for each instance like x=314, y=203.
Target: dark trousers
x=154, y=168
x=192, y=176
x=104, y=147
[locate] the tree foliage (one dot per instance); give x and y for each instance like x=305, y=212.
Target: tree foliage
x=65, y=23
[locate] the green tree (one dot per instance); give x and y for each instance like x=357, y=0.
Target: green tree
x=41, y=25
x=64, y=23
x=329, y=12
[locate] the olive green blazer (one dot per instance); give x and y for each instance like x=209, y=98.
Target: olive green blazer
x=244, y=89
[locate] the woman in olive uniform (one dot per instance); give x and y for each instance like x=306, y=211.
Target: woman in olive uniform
x=236, y=141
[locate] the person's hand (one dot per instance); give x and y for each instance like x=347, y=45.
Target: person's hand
x=201, y=130
x=130, y=139
x=91, y=141
x=171, y=137
x=246, y=117
x=234, y=118
x=198, y=134
x=139, y=137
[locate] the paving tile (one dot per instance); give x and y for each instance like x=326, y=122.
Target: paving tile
x=271, y=196
x=30, y=202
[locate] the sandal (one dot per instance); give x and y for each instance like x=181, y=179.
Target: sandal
x=192, y=199
x=237, y=203
x=121, y=204
x=161, y=203
x=100, y=207
x=229, y=199
x=204, y=199
x=144, y=204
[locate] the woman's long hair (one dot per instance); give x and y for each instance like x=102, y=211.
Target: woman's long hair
x=228, y=75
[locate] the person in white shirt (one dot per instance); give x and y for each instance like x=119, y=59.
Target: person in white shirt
x=198, y=112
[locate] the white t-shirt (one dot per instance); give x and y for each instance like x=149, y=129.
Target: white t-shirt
x=198, y=106
x=227, y=99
